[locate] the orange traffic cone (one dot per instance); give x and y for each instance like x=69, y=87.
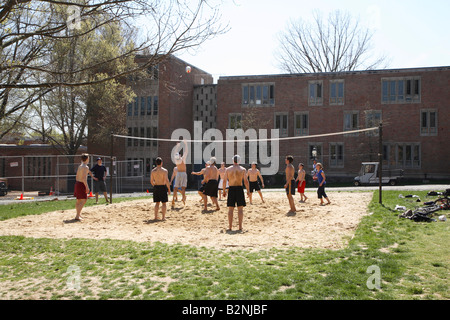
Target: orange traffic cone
x=90, y=195
x=21, y=196
x=147, y=190
x=51, y=191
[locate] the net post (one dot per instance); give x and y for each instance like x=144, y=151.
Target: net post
x=380, y=161
x=111, y=168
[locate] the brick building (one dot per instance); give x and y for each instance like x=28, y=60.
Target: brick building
x=163, y=103
x=412, y=104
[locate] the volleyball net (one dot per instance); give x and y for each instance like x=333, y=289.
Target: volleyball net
x=265, y=147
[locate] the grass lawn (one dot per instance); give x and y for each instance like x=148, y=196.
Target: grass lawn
x=411, y=260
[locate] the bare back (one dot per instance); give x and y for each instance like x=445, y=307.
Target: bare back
x=235, y=174
x=159, y=176
x=82, y=173
x=211, y=173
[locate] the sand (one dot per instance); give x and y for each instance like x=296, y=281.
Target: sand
x=265, y=225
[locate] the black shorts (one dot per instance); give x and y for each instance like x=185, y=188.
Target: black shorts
x=236, y=196
x=202, y=187
x=254, y=185
x=293, y=185
x=160, y=194
x=211, y=188
x=99, y=186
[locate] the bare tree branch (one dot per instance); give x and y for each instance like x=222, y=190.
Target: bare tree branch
x=336, y=44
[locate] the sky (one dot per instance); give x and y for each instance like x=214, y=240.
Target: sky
x=412, y=33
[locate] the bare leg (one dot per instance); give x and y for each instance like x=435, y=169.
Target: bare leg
x=183, y=193
x=96, y=197
x=214, y=200
x=163, y=210
x=174, y=195
x=156, y=210
x=79, y=206
x=230, y=218
x=250, y=197
x=106, y=196
x=240, y=216
x=260, y=194
x=291, y=203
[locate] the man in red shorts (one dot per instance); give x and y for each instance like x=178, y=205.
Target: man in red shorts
x=81, y=187
x=301, y=182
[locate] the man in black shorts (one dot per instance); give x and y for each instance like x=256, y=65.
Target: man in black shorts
x=99, y=171
x=290, y=182
x=211, y=184
x=235, y=174
x=159, y=178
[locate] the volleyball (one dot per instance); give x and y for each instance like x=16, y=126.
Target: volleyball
x=188, y=69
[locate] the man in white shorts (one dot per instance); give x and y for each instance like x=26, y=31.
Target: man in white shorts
x=180, y=174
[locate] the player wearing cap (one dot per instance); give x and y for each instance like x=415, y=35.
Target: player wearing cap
x=99, y=174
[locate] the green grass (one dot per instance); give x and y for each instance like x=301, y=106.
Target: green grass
x=413, y=259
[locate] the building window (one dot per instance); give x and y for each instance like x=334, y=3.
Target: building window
x=315, y=93
x=136, y=134
x=130, y=133
x=155, y=105
x=318, y=148
x=400, y=90
x=281, y=123
x=351, y=120
x=235, y=121
x=142, y=106
x=336, y=154
x=130, y=109
x=336, y=92
x=149, y=106
x=373, y=119
x=155, y=135
x=136, y=106
x=142, y=135
x=258, y=94
x=428, y=122
x=301, y=124
x=149, y=135
x=402, y=155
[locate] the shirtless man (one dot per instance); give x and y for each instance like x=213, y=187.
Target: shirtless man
x=180, y=174
x=253, y=175
x=235, y=174
x=211, y=184
x=222, y=182
x=290, y=182
x=301, y=182
x=202, y=187
x=81, y=186
x=159, y=178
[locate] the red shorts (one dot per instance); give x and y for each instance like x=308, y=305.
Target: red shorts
x=80, y=190
x=301, y=188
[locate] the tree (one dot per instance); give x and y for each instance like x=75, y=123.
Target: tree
x=29, y=30
x=62, y=114
x=338, y=44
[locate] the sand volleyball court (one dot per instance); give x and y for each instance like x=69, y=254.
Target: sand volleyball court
x=265, y=225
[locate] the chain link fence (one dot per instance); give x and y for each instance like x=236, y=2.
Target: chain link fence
x=55, y=174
